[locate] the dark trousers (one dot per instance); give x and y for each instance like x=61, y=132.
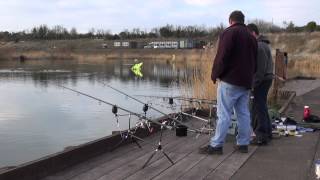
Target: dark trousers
x=261, y=123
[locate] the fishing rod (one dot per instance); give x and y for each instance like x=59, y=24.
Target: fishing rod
x=206, y=101
x=197, y=100
x=115, y=107
x=165, y=97
x=146, y=106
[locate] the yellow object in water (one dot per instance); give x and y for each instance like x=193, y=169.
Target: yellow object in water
x=136, y=69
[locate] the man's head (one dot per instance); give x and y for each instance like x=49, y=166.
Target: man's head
x=236, y=17
x=253, y=29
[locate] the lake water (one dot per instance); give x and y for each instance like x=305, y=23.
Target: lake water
x=38, y=118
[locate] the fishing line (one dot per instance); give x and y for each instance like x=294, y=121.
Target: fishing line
x=115, y=107
x=157, y=110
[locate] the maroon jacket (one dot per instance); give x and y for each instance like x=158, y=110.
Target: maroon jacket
x=235, y=61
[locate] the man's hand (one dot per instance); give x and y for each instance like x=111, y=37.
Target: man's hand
x=214, y=81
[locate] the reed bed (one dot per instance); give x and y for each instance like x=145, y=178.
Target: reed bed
x=307, y=65
x=200, y=84
x=304, y=60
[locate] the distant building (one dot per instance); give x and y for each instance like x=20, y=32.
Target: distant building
x=169, y=44
x=186, y=44
x=117, y=44
x=125, y=44
x=160, y=44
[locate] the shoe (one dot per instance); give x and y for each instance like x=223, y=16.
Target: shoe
x=259, y=142
x=242, y=148
x=211, y=150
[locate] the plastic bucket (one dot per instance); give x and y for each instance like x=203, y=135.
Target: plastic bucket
x=181, y=130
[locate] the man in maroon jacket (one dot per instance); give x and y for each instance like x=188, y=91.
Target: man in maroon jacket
x=234, y=68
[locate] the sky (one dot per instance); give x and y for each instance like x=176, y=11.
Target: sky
x=118, y=15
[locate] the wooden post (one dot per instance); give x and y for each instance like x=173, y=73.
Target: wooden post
x=275, y=82
x=280, y=71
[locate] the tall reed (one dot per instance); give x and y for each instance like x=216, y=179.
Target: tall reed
x=200, y=84
x=307, y=65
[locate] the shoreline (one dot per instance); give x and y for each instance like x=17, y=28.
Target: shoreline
x=106, y=54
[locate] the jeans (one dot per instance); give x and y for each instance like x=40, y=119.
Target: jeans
x=232, y=98
x=261, y=120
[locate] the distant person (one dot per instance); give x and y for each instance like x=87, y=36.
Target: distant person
x=262, y=83
x=234, y=68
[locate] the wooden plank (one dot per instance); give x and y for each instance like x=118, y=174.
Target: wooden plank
x=285, y=158
x=230, y=165
x=53, y=163
x=312, y=173
x=134, y=166
x=88, y=165
x=162, y=164
x=207, y=164
x=287, y=103
x=97, y=161
x=118, y=164
x=156, y=167
x=181, y=167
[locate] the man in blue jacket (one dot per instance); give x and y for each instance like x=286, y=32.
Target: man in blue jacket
x=234, y=67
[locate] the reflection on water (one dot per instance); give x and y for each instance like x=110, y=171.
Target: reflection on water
x=38, y=118
x=155, y=71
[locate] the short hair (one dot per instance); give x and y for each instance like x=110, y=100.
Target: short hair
x=253, y=28
x=237, y=16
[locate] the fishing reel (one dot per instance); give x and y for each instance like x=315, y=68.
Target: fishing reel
x=145, y=124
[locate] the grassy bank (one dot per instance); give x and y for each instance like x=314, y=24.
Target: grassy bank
x=303, y=50
x=90, y=50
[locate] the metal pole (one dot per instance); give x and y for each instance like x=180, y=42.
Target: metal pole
x=195, y=130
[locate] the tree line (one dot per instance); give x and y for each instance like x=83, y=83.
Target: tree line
x=58, y=32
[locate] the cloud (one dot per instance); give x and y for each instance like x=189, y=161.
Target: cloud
x=118, y=15
x=203, y=2
x=300, y=12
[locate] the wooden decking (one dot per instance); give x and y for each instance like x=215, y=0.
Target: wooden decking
x=284, y=158
x=126, y=162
